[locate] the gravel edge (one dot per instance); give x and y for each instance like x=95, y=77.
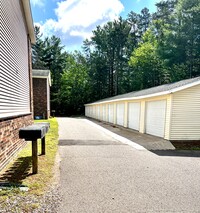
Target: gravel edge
x=49, y=202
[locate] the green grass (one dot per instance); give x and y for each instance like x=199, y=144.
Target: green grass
x=191, y=145
x=20, y=171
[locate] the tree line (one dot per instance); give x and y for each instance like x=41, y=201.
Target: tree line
x=141, y=51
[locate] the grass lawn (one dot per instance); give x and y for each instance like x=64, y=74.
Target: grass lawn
x=191, y=145
x=19, y=172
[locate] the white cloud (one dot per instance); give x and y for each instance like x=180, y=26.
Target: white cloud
x=39, y=3
x=85, y=12
x=77, y=18
x=82, y=34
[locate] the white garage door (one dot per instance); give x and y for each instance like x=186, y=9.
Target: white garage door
x=87, y=111
x=93, y=111
x=104, y=112
x=111, y=113
x=120, y=114
x=155, y=117
x=98, y=112
x=90, y=111
x=134, y=115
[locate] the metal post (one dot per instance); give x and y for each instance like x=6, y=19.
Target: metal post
x=43, y=145
x=34, y=157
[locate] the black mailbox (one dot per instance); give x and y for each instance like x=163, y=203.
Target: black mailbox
x=34, y=131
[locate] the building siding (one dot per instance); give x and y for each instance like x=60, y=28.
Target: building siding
x=182, y=118
x=14, y=61
x=168, y=117
x=16, y=99
x=185, y=118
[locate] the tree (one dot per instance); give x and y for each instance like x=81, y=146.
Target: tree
x=74, y=90
x=49, y=54
x=177, y=30
x=110, y=42
x=38, y=51
x=147, y=68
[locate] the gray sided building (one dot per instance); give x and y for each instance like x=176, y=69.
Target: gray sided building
x=16, y=101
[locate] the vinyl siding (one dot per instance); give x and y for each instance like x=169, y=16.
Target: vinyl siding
x=185, y=118
x=14, y=68
x=168, y=117
x=182, y=119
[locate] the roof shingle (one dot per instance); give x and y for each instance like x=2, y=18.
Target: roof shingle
x=152, y=90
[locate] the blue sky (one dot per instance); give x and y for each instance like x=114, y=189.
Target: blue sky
x=74, y=20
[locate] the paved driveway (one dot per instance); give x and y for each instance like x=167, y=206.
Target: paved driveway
x=101, y=174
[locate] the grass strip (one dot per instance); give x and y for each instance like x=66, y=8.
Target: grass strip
x=19, y=172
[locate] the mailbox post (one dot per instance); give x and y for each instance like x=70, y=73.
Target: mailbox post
x=32, y=133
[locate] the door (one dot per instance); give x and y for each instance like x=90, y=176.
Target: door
x=104, y=112
x=111, y=113
x=120, y=114
x=134, y=116
x=155, y=117
x=98, y=112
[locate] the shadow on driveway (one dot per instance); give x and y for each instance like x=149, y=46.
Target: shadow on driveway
x=177, y=153
x=156, y=145
x=87, y=143
x=149, y=142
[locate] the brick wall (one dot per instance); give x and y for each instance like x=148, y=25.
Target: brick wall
x=40, y=97
x=9, y=137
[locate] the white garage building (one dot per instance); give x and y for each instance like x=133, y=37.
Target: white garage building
x=170, y=111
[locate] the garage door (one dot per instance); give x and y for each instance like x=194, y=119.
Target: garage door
x=155, y=117
x=87, y=111
x=93, y=111
x=134, y=115
x=104, y=112
x=120, y=114
x=111, y=113
x=98, y=112
x=90, y=111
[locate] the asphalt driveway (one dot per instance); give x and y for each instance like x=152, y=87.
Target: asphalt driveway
x=101, y=172
x=150, y=142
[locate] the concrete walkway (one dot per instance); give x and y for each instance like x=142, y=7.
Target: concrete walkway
x=101, y=174
x=150, y=142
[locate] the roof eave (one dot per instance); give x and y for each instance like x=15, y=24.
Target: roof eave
x=131, y=98
x=29, y=20
x=150, y=95
x=44, y=77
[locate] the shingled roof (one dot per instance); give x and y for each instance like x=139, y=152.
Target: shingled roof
x=154, y=91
